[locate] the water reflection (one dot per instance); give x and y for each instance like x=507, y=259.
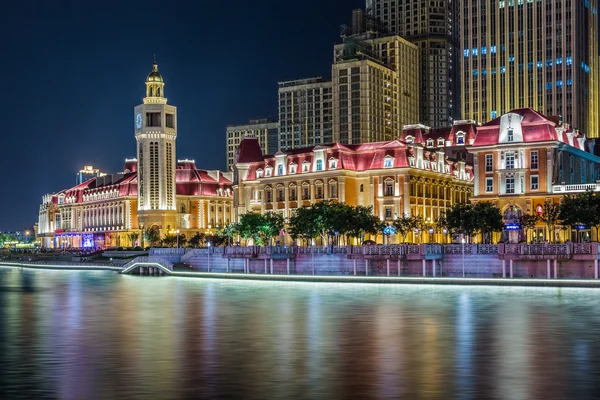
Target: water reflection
x=101, y=335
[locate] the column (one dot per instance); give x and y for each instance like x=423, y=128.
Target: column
x=596, y=269
x=424, y=267
x=510, y=265
x=342, y=190
x=555, y=269
x=366, y=267
x=504, y=268
x=201, y=223
x=288, y=265
x=388, y=266
x=548, y=268
x=265, y=266
x=354, y=264
x=399, y=268
x=433, y=267
x=286, y=196
x=271, y=262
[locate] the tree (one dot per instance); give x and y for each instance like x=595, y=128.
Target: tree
x=169, y=240
x=460, y=219
x=362, y=221
x=197, y=239
x=132, y=236
x=152, y=236
x=303, y=224
x=249, y=227
x=404, y=225
x=271, y=226
x=527, y=222
x=550, y=217
x=486, y=219
x=580, y=209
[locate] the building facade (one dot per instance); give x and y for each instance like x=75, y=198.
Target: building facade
x=522, y=159
x=434, y=27
x=525, y=53
x=155, y=191
x=265, y=129
x=375, y=87
x=305, y=113
x=395, y=177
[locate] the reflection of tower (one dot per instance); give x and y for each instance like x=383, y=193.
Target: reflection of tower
x=155, y=133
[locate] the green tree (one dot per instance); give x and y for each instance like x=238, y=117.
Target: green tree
x=580, y=209
x=303, y=224
x=271, y=226
x=550, y=217
x=461, y=219
x=404, y=225
x=362, y=222
x=527, y=222
x=152, y=236
x=197, y=239
x=486, y=219
x=132, y=236
x=249, y=227
x=169, y=240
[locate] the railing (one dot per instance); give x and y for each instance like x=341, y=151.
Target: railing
x=595, y=187
x=458, y=248
x=157, y=251
x=433, y=249
x=374, y=250
x=487, y=249
x=65, y=263
x=538, y=249
x=413, y=249
x=582, y=248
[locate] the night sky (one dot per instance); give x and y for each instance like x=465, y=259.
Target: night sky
x=72, y=71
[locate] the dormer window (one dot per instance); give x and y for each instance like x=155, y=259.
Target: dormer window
x=319, y=165
x=268, y=171
x=510, y=135
x=292, y=168
x=259, y=173
x=280, y=169
x=332, y=163
x=430, y=142
x=409, y=139
x=460, y=138
x=388, y=162
x=440, y=142
x=305, y=166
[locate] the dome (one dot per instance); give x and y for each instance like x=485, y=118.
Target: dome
x=154, y=76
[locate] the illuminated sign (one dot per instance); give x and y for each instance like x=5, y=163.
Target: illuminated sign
x=512, y=227
x=88, y=240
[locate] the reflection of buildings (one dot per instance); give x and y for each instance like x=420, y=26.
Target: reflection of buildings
x=408, y=176
x=522, y=159
x=153, y=191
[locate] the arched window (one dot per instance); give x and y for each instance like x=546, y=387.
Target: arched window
x=280, y=169
x=362, y=187
x=150, y=92
x=158, y=92
x=440, y=142
x=332, y=163
x=388, y=162
x=182, y=208
x=429, y=142
x=409, y=139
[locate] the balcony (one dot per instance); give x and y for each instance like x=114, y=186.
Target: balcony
x=594, y=187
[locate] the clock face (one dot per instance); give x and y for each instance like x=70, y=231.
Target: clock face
x=138, y=121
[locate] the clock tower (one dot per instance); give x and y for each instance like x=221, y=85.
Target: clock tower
x=155, y=124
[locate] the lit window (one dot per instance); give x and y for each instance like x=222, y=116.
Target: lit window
x=268, y=171
x=489, y=163
x=510, y=185
x=430, y=142
x=534, y=159
x=389, y=188
x=388, y=213
x=510, y=160
x=409, y=139
x=259, y=173
x=319, y=165
x=489, y=185
x=280, y=169
x=305, y=166
x=534, y=182
x=460, y=139
x=332, y=163
x=388, y=162
x=292, y=168
x=510, y=135
x=440, y=142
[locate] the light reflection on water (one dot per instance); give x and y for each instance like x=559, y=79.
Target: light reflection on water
x=100, y=335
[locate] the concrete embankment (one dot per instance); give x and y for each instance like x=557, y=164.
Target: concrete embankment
x=68, y=267
x=396, y=280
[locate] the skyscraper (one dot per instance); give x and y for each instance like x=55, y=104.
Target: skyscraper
x=530, y=53
x=265, y=129
x=433, y=27
x=305, y=114
x=375, y=84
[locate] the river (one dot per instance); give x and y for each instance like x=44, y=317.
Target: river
x=101, y=335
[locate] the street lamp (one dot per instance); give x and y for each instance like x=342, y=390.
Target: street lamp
x=463, y=256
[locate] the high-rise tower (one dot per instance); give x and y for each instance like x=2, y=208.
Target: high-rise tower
x=155, y=132
x=526, y=53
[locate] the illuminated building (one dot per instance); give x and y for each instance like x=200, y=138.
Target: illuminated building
x=375, y=85
x=525, y=53
x=87, y=172
x=265, y=129
x=155, y=191
x=399, y=177
x=434, y=28
x=305, y=114
x=522, y=159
